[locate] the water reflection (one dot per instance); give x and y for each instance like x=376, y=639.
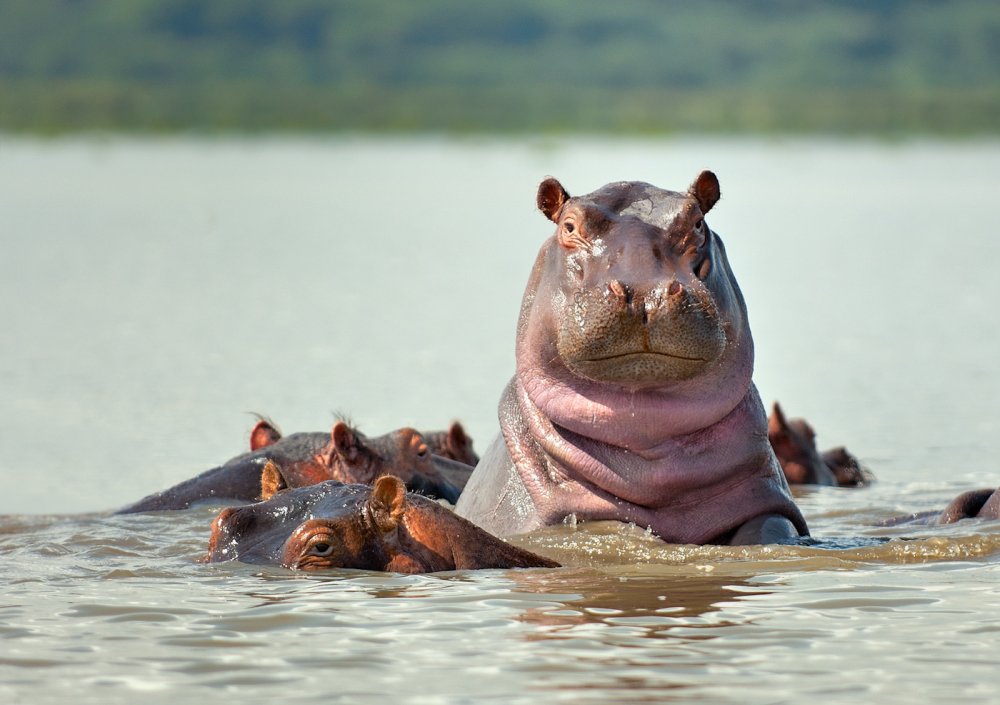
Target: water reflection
x=647, y=599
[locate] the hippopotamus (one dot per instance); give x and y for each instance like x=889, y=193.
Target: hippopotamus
x=632, y=398
x=454, y=443
x=369, y=527
x=794, y=443
x=344, y=454
x=974, y=504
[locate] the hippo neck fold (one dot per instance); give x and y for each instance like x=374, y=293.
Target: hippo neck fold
x=665, y=489
x=638, y=420
x=643, y=422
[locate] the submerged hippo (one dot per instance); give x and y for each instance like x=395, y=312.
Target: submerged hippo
x=632, y=398
x=344, y=454
x=380, y=527
x=974, y=504
x=794, y=443
x=453, y=443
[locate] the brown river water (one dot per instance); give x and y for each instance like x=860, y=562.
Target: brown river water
x=156, y=291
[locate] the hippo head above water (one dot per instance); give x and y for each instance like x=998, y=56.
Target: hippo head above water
x=633, y=397
x=636, y=298
x=380, y=527
x=794, y=444
x=344, y=454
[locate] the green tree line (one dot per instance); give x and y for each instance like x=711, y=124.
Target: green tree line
x=517, y=65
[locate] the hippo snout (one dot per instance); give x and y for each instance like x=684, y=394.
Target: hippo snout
x=641, y=336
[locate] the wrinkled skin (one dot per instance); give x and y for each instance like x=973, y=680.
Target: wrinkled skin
x=632, y=399
x=344, y=454
x=380, y=527
x=794, y=444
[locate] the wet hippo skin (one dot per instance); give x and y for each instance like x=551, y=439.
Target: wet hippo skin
x=974, y=504
x=632, y=398
x=379, y=527
x=344, y=454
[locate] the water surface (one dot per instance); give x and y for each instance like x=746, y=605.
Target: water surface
x=156, y=291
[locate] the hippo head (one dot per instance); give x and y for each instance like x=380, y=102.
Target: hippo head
x=379, y=527
x=453, y=443
x=643, y=294
x=327, y=525
x=794, y=444
x=350, y=456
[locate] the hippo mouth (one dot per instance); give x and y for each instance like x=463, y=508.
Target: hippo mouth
x=639, y=368
x=636, y=354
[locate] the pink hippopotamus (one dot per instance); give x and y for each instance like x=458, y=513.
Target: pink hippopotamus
x=632, y=398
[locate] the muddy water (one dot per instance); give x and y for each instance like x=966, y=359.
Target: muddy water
x=154, y=292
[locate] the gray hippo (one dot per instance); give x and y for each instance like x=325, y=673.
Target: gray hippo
x=369, y=527
x=632, y=398
x=454, y=443
x=343, y=454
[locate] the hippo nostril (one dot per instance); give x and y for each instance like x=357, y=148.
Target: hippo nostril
x=622, y=292
x=674, y=289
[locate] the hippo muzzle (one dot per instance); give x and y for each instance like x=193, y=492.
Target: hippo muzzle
x=641, y=336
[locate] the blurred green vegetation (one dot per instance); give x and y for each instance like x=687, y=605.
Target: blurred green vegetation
x=850, y=66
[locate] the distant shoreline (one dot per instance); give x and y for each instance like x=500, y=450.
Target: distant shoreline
x=47, y=107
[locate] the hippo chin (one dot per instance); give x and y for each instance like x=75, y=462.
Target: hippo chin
x=380, y=527
x=632, y=398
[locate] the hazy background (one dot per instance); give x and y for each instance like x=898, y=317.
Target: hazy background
x=654, y=66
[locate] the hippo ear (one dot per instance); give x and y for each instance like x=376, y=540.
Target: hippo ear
x=271, y=480
x=264, y=434
x=345, y=442
x=459, y=443
x=551, y=198
x=706, y=191
x=388, y=502
x=802, y=427
x=776, y=422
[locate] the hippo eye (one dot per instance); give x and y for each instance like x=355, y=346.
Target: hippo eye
x=569, y=226
x=700, y=224
x=321, y=548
